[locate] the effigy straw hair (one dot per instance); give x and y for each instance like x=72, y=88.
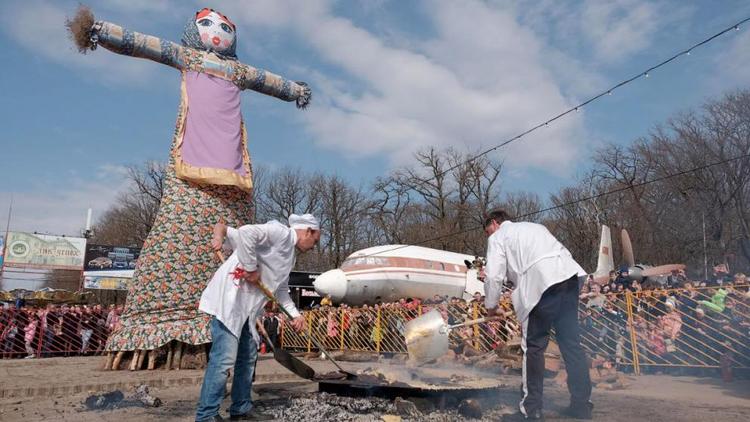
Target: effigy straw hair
x=80, y=28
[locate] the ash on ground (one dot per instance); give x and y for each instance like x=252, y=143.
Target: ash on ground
x=116, y=399
x=319, y=407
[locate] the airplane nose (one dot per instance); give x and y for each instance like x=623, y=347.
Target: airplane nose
x=331, y=283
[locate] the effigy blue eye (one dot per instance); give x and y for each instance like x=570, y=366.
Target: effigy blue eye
x=226, y=28
x=205, y=22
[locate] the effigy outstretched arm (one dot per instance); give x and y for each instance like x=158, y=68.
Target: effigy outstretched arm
x=88, y=33
x=263, y=81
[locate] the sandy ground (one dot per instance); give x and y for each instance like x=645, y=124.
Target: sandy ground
x=649, y=398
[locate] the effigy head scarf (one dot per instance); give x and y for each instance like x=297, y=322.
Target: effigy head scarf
x=211, y=31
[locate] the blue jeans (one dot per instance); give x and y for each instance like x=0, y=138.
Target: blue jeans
x=228, y=351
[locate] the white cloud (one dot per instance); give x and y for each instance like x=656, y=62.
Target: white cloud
x=39, y=26
x=604, y=32
x=619, y=28
x=733, y=63
x=63, y=211
x=481, y=79
x=138, y=6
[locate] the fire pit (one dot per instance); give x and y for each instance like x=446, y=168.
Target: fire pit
x=443, y=387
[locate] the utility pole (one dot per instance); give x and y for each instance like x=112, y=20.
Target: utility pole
x=5, y=239
x=87, y=233
x=705, y=256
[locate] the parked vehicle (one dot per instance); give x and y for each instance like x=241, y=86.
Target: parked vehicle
x=102, y=262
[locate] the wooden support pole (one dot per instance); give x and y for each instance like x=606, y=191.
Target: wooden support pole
x=202, y=356
x=118, y=359
x=170, y=351
x=108, y=362
x=134, y=360
x=151, y=359
x=141, y=357
x=177, y=360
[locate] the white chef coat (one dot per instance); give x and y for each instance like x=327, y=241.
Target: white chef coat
x=270, y=249
x=530, y=256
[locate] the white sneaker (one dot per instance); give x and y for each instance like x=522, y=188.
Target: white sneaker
x=30, y=357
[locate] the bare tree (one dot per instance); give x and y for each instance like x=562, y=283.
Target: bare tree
x=342, y=214
x=128, y=221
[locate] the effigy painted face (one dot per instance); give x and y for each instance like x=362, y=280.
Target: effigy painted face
x=216, y=31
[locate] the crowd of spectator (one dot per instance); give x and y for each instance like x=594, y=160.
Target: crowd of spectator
x=380, y=327
x=676, y=322
x=55, y=330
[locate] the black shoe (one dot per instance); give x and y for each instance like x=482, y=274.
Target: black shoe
x=579, y=411
x=518, y=416
x=252, y=415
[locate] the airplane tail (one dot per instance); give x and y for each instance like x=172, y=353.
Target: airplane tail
x=606, y=262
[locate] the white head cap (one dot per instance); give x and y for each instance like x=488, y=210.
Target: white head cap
x=304, y=221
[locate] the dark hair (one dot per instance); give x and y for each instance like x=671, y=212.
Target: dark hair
x=498, y=215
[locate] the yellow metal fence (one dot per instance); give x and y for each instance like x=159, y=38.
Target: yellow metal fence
x=645, y=329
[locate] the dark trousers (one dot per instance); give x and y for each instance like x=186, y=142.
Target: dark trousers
x=557, y=308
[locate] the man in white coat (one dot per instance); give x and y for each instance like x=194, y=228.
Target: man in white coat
x=262, y=253
x=545, y=277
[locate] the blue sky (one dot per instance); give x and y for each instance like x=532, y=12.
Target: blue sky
x=388, y=77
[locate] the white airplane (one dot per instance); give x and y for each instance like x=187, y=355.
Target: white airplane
x=391, y=272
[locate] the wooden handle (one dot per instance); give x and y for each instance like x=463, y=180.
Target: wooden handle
x=481, y=320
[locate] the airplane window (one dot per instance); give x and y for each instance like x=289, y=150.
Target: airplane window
x=354, y=261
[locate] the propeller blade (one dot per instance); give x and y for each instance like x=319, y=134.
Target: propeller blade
x=602, y=279
x=662, y=270
x=627, y=249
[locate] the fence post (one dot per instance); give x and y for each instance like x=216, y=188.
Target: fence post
x=476, y=326
x=377, y=330
x=40, y=345
x=419, y=309
x=631, y=329
x=309, y=331
x=341, y=330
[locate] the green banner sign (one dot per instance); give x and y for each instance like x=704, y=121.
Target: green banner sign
x=25, y=250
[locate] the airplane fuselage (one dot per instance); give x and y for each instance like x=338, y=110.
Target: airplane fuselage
x=391, y=272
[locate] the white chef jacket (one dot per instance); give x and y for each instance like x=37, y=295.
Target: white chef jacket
x=530, y=256
x=270, y=249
